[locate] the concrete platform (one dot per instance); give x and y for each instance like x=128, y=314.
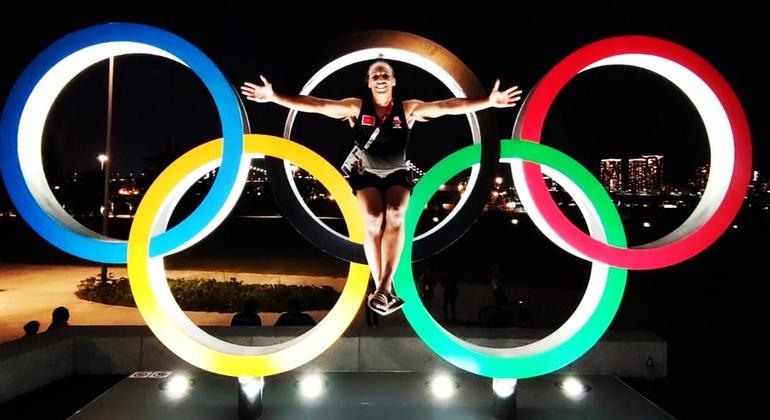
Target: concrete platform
x=356, y=395
x=28, y=364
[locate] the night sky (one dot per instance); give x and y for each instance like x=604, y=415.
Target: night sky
x=611, y=112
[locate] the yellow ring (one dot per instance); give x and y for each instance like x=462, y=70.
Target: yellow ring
x=163, y=315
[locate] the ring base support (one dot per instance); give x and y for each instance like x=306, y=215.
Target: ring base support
x=250, y=397
x=504, y=408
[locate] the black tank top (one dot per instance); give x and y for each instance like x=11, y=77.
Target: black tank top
x=388, y=151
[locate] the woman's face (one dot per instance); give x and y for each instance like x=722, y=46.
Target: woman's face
x=381, y=78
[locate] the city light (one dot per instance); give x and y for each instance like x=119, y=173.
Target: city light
x=102, y=158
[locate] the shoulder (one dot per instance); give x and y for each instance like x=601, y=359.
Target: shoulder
x=354, y=103
x=412, y=111
x=353, y=106
x=410, y=105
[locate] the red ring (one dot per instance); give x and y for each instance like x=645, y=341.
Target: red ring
x=529, y=126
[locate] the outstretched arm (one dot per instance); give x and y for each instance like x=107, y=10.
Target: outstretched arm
x=422, y=111
x=343, y=109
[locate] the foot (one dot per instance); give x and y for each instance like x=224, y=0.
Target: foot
x=384, y=303
x=378, y=302
x=394, y=302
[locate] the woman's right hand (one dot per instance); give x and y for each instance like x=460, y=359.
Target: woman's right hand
x=258, y=93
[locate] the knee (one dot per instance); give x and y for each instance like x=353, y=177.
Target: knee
x=395, y=217
x=373, y=224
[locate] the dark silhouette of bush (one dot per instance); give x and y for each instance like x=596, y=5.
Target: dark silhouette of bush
x=209, y=295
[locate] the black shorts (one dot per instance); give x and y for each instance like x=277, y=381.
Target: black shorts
x=401, y=177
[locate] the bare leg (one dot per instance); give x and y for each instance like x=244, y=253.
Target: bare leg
x=396, y=199
x=372, y=207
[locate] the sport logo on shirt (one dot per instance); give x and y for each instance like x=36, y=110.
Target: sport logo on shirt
x=367, y=120
x=396, y=122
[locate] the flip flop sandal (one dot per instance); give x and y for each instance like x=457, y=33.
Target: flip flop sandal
x=376, y=299
x=395, y=303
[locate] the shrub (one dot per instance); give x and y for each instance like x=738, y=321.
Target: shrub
x=209, y=295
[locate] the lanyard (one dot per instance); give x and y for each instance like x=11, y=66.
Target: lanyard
x=376, y=131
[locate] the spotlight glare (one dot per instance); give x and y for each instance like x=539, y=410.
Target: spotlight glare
x=311, y=386
x=504, y=387
x=442, y=387
x=251, y=386
x=177, y=387
x=573, y=388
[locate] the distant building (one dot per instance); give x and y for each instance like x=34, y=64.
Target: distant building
x=645, y=174
x=700, y=177
x=654, y=173
x=636, y=176
x=612, y=175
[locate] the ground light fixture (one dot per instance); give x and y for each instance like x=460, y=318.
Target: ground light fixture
x=442, y=387
x=504, y=387
x=311, y=386
x=177, y=386
x=504, y=402
x=573, y=388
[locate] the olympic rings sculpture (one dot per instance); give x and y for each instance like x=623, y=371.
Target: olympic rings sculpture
x=21, y=129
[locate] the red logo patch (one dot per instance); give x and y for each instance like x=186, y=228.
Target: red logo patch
x=396, y=122
x=367, y=120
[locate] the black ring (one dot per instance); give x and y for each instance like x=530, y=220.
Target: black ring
x=343, y=248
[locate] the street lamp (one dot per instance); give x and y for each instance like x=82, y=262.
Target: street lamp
x=102, y=158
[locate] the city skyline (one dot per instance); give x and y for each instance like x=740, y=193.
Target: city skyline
x=127, y=191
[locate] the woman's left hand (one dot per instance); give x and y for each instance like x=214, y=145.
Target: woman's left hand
x=506, y=98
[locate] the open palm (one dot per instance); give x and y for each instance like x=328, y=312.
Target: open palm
x=505, y=98
x=257, y=93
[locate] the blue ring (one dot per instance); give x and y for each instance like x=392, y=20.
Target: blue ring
x=114, y=251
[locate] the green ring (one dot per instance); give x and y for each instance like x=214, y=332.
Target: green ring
x=498, y=362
